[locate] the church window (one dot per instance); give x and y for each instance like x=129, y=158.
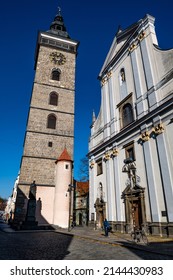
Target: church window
x=127, y=114
x=56, y=74
x=129, y=152
x=53, y=98
x=51, y=121
x=99, y=167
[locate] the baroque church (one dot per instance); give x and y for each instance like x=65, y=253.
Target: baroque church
x=130, y=145
x=47, y=161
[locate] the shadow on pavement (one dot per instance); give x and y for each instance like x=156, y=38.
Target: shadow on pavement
x=152, y=251
x=54, y=245
x=46, y=245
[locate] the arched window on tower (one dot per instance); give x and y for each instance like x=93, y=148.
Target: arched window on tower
x=55, y=75
x=51, y=121
x=127, y=114
x=53, y=98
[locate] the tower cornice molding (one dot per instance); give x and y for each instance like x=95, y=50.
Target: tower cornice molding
x=55, y=37
x=55, y=86
x=51, y=110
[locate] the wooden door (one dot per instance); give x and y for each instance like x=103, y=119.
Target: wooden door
x=137, y=214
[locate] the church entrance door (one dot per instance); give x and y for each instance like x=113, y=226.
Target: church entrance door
x=134, y=207
x=136, y=210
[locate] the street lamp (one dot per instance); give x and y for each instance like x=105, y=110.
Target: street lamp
x=130, y=168
x=70, y=189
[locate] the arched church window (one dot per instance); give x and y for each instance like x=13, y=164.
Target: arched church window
x=51, y=121
x=53, y=98
x=127, y=114
x=56, y=74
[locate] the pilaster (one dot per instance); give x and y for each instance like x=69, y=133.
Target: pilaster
x=92, y=195
x=106, y=108
x=139, y=88
x=118, y=191
x=152, y=187
x=149, y=73
x=165, y=169
x=109, y=188
x=111, y=105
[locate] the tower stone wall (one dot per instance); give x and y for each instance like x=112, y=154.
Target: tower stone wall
x=43, y=144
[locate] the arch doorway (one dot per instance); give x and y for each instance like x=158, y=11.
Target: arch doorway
x=134, y=201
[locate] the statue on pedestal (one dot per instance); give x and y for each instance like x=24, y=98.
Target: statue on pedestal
x=31, y=208
x=30, y=219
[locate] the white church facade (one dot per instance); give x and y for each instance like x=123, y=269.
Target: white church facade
x=130, y=146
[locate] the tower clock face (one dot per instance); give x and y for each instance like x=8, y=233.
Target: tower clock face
x=57, y=58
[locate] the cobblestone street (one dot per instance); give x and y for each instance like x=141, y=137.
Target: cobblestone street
x=56, y=245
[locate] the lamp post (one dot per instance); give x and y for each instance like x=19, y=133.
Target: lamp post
x=70, y=189
x=130, y=168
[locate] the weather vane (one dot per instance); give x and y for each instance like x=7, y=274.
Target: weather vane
x=59, y=11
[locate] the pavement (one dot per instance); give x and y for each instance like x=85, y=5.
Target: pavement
x=158, y=245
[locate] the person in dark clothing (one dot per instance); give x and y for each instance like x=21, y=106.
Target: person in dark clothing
x=106, y=227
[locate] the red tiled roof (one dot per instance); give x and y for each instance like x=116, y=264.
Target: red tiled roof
x=82, y=187
x=64, y=156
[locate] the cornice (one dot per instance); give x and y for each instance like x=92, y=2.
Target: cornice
x=50, y=110
x=52, y=134
x=54, y=86
x=56, y=38
x=132, y=127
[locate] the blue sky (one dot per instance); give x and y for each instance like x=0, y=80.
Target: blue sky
x=93, y=23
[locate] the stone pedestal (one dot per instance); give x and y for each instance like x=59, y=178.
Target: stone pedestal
x=30, y=220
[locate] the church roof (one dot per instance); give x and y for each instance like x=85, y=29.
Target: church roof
x=64, y=156
x=122, y=41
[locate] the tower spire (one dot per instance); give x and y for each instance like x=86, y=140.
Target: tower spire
x=57, y=26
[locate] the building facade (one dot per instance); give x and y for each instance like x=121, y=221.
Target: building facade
x=10, y=207
x=130, y=147
x=81, y=203
x=50, y=124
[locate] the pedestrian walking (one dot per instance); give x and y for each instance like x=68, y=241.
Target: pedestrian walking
x=106, y=227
